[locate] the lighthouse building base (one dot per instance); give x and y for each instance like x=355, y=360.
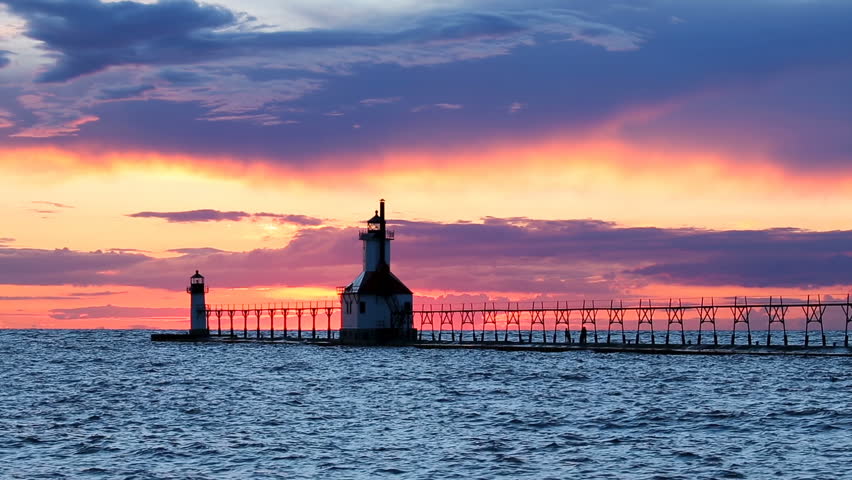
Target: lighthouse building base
x=377, y=336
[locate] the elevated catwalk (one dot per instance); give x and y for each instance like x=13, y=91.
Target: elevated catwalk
x=554, y=326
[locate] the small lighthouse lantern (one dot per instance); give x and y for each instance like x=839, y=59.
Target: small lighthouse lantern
x=375, y=223
x=197, y=305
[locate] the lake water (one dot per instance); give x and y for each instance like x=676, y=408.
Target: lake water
x=112, y=404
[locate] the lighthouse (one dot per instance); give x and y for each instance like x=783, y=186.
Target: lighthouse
x=197, y=306
x=376, y=307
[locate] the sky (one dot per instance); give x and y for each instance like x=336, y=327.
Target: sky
x=528, y=150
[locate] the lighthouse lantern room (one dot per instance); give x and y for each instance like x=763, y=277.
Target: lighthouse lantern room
x=198, y=307
x=376, y=307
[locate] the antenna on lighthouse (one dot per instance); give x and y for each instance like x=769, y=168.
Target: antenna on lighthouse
x=382, y=235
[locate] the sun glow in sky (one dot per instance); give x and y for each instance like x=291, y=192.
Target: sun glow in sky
x=526, y=149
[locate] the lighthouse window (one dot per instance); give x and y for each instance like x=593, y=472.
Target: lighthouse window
x=362, y=307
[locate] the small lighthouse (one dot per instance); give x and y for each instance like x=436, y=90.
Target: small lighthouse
x=376, y=307
x=198, y=307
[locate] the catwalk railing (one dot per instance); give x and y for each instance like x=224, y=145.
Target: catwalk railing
x=261, y=319
x=554, y=320
x=544, y=318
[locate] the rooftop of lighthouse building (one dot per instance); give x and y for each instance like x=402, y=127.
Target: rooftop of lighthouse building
x=380, y=282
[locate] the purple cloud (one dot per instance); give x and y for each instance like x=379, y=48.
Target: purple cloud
x=110, y=311
x=40, y=297
x=191, y=216
x=209, y=215
x=4, y=58
x=124, y=93
x=52, y=204
x=197, y=251
x=562, y=258
x=105, y=293
x=290, y=218
x=92, y=36
x=25, y=266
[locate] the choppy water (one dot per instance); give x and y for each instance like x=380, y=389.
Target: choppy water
x=112, y=404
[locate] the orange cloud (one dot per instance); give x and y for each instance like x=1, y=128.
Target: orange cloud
x=593, y=177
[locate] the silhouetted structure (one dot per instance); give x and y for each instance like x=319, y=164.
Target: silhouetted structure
x=376, y=307
x=198, y=307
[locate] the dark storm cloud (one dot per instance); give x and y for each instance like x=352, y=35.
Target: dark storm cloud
x=88, y=36
x=209, y=215
x=562, y=86
x=551, y=257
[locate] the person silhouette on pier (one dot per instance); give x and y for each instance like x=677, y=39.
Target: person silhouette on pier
x=583, y=335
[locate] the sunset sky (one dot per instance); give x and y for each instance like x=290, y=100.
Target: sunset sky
x=528, y=149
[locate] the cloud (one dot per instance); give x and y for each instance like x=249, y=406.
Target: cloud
x=205, y=215
x=104, y=293
x=70, y=296
x=55, y=118
x=370, y=102
x=24, y=266
x=4, y=58
x=516, y=107
x=194, y=52
x=560, y=258
x=197, y=251
x=209, y=215
x=712, y=79
x=52, y=204
x=110, y=311
x=42, y=297
x=127, y=250
x=6, y=240
x=437, y=106
x=290, y=218
x=6, y=119
x=260, y=118
x=124, y=93
x=88, y=36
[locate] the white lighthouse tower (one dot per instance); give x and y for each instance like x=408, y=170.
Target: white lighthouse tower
x=376, y=307
x=198, y=308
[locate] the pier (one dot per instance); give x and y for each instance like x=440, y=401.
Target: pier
x=239, y=320
x=555, y=319
x=658, y=325
x=376, y=308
